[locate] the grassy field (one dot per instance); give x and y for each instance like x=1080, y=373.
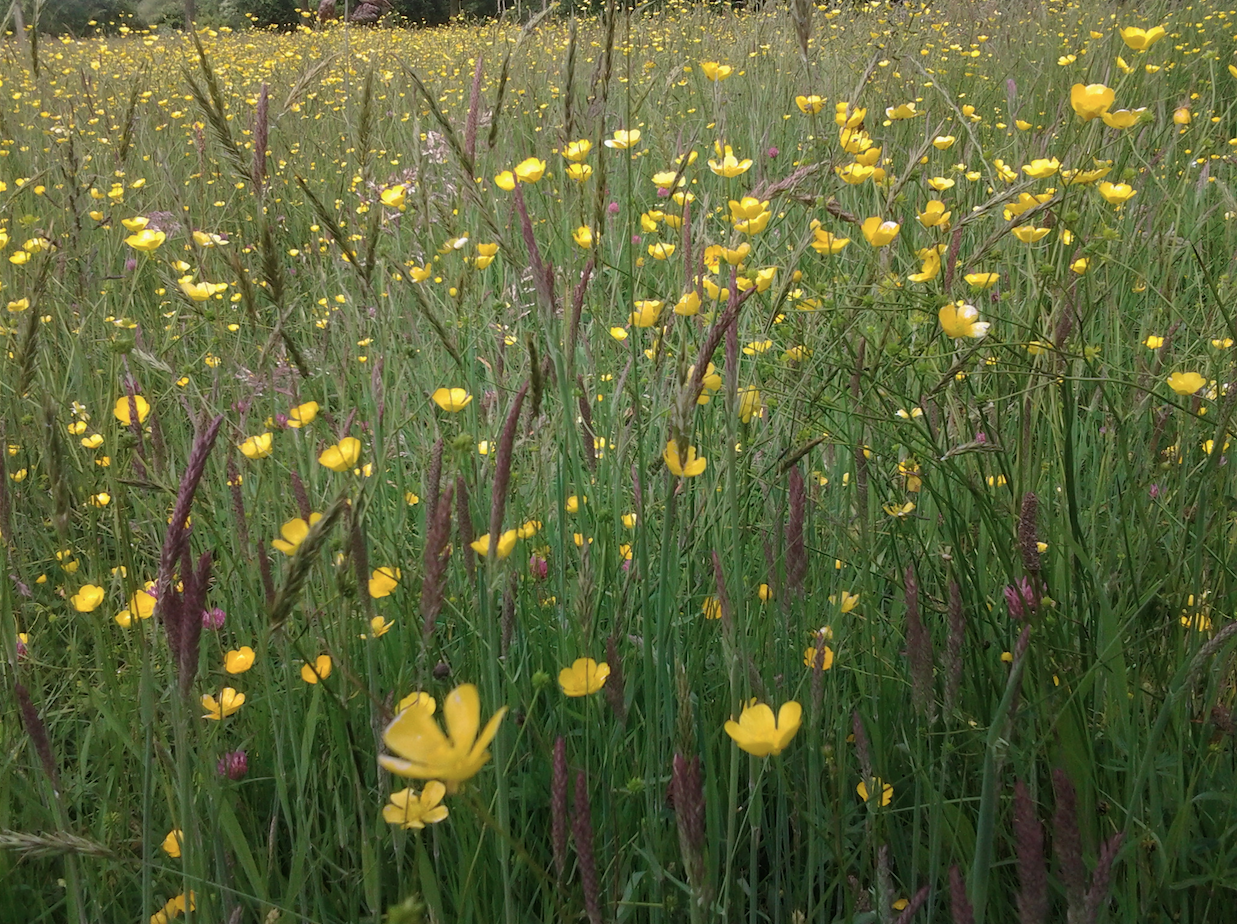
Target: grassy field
x=849, y=386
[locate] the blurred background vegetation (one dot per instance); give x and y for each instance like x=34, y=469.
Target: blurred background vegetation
x=86, y=17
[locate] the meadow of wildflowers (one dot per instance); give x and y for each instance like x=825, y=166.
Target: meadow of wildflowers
x=660, y=465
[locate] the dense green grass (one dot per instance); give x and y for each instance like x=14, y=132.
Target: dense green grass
x=1059, y=428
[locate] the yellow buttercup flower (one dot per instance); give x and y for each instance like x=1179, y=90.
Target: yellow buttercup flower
x=713, y=290
x=1186, y=383
x=383, y=581
x=87, y=598
x=854, y=174
x=584, y=678
x=749, y=403
x=505, y=180
x=343, y=455
x=934, y=214
x=758, y=733
x=1029, y=234
x=485, y=255
x=688, y=305
x=869, y=789
x=203, y=239
x=172, y=908
x=1122, y=118
x=711, y=608
x=1116, y=193
x=1004, y=171
x=412, y=811
x=847, y=116
x=506, y=542
x=583, y=236
x=121, y=410
x=136, y=223
x=855, y=141
x=846, y=601
x=141, y=605
x=171, y=843
x=942, y=142
x=809, y=657
x=1090, y=101
x=623, y=139
x=1072, y=177
x=661, y=251
x=1142, y=39
x=146, y=240
x=982, y=280
x=452, y=400
x=646, y=313
x=530, y=170
x=668, y=179
x=879, y=232
x=715, y=71
x=238, y=660
x=293, y=533
x=576, y=151
x=302, y=415
x=394, y=196
x=378, y=627
x=418, y=700
x=255, y=447
x=730, y=166
x=683, y=463
x=229, y=702
x=902, y=111
x=959, y=319
x=810, y=105
x=424, y=752
x=931, y=257
x=827, y=243
x=1041, y=167
x=319, y=670
x=712, y=381
x=750, y=215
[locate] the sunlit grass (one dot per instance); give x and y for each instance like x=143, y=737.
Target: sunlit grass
x=693, y=466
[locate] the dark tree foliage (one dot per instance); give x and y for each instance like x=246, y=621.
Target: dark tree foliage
x=74, y=16
x=274, y=12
